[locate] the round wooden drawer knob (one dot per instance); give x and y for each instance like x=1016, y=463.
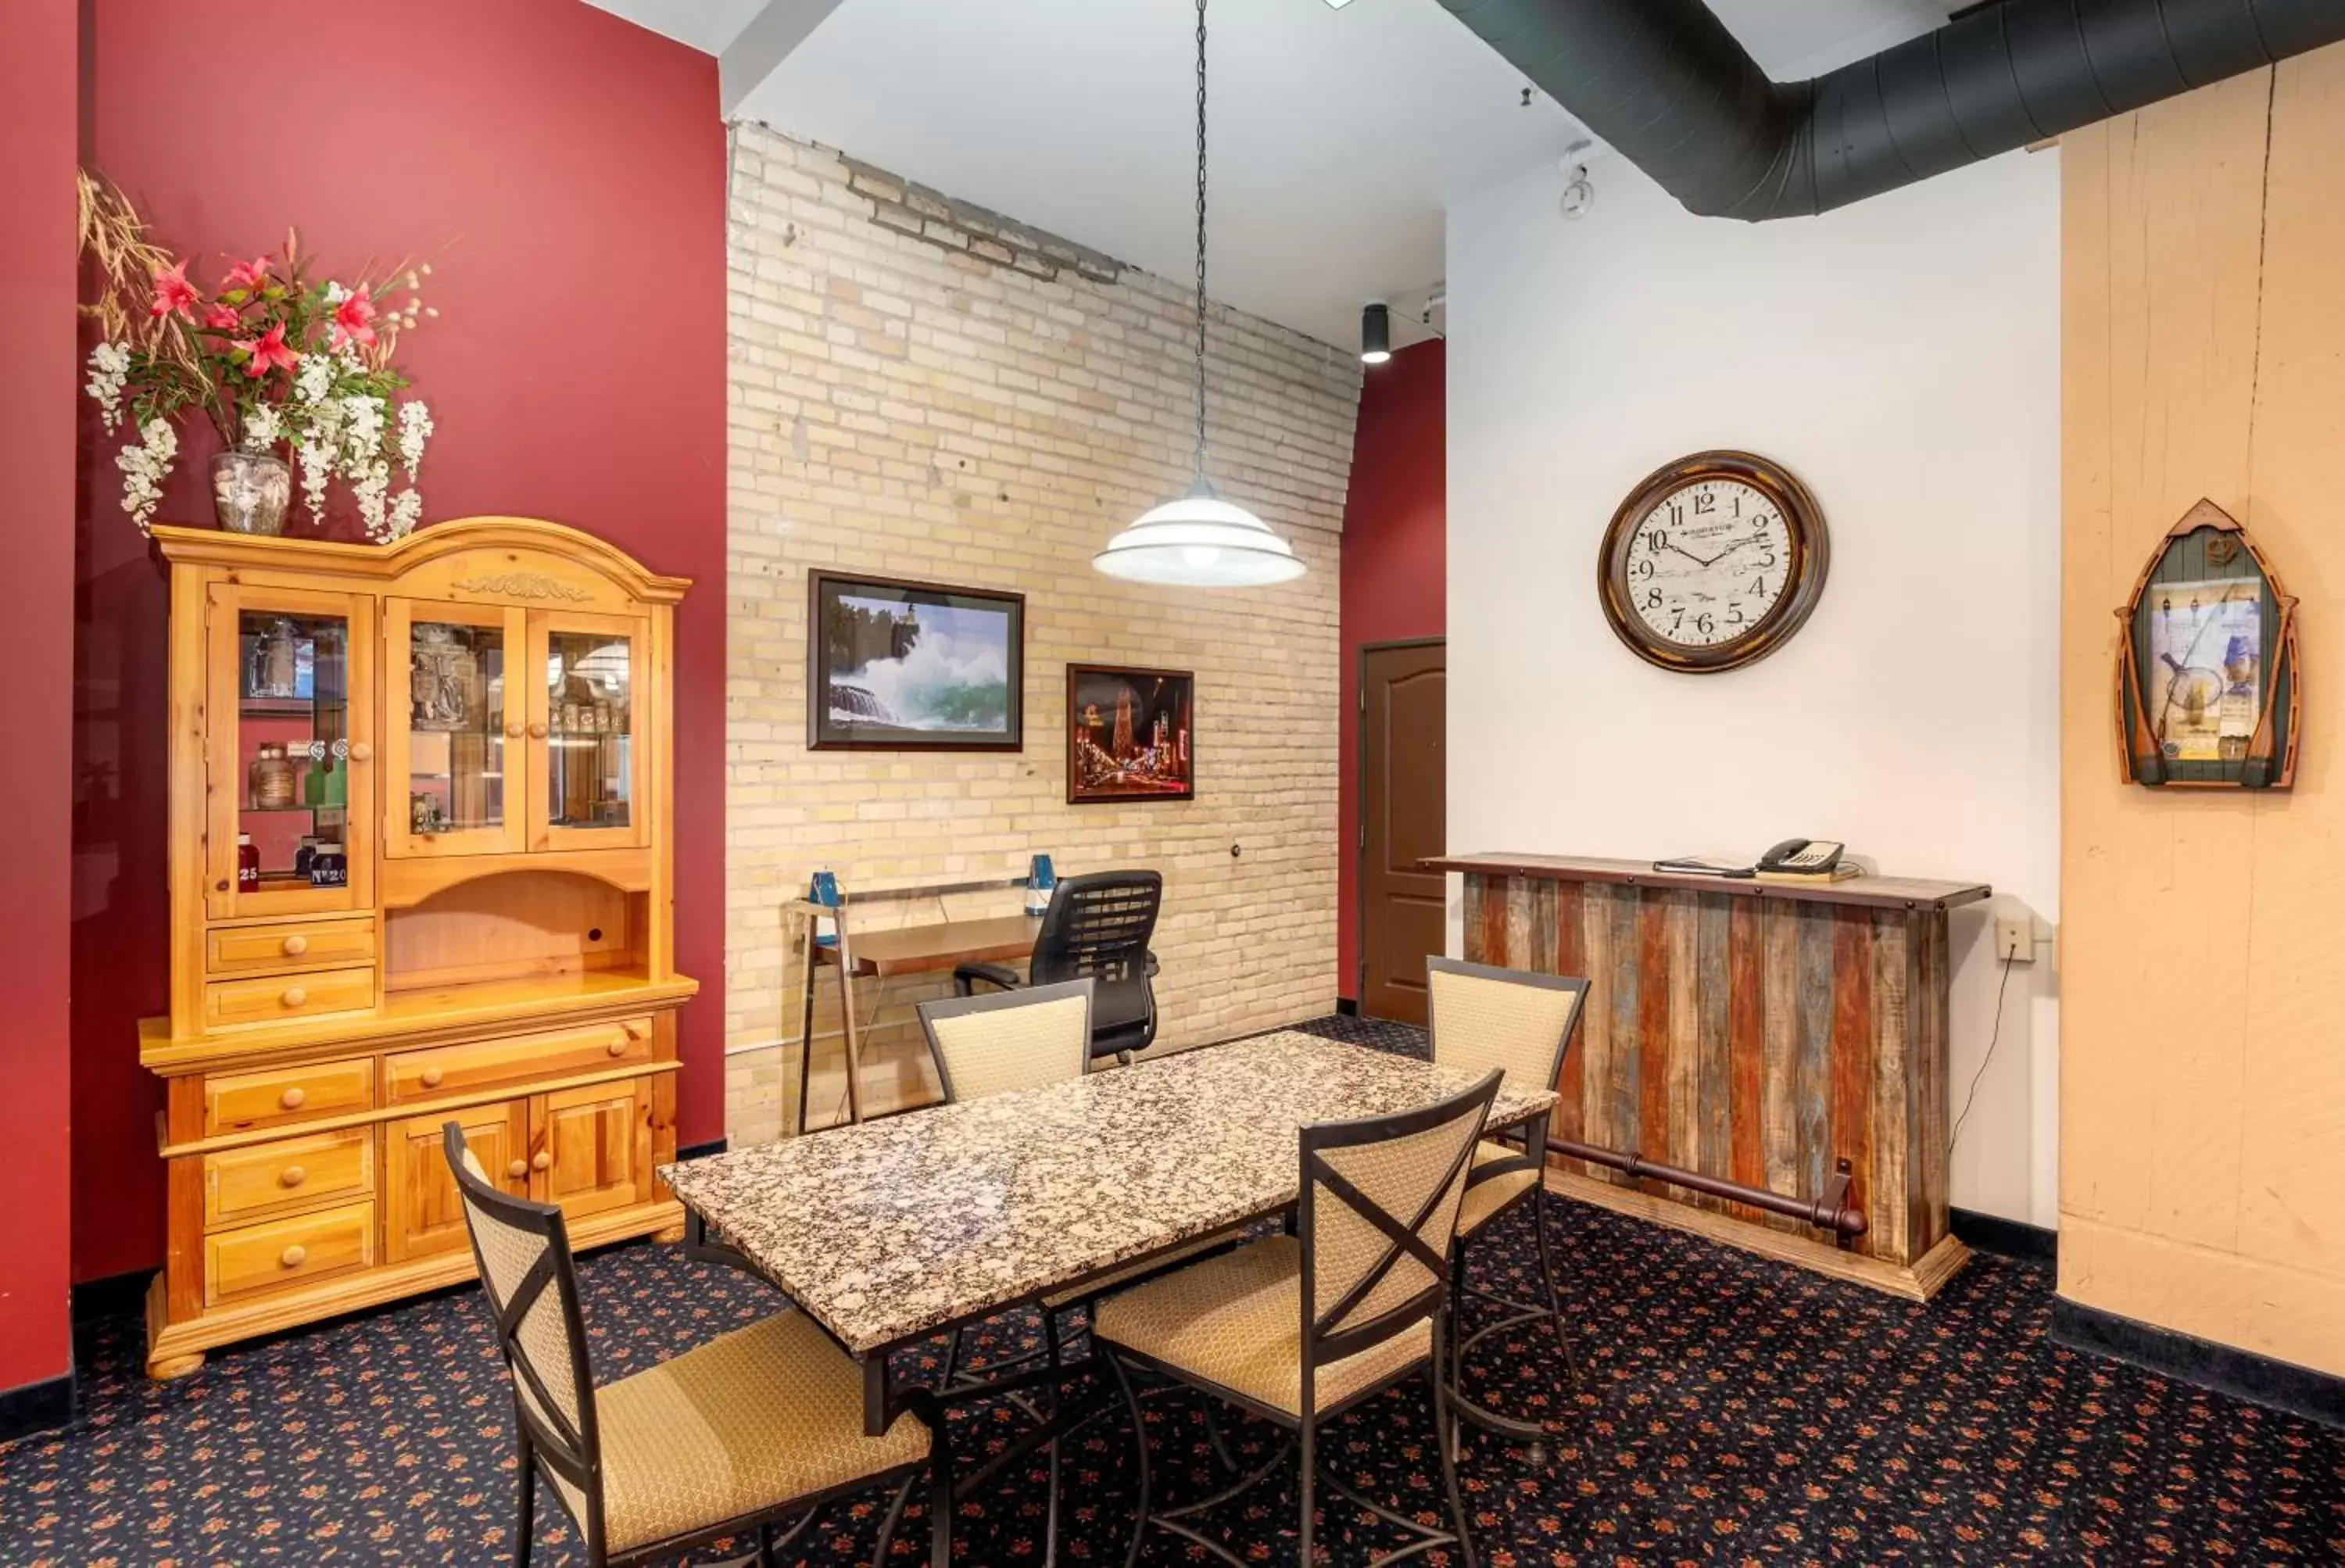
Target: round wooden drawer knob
x=293, y=1099
x=541, y=1161
x=295, y=946
x=360, y=751
x=430, y=1077
x=537, y=729
x=618, y=1047
x=513, y=729
x=294, y=1257
x=518, y=1169
x=294, y=996
x=293, y=1176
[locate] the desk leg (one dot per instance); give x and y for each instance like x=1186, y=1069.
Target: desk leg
x=846, y=1022
x=807, y=962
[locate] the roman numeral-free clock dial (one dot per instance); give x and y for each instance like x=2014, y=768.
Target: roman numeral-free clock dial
x=1713, y=562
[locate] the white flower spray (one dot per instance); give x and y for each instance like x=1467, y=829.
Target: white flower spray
x=109, y=373
x=144, y=467
x=264, y=427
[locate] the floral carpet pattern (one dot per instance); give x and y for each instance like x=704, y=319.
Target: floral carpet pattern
x=1729, y=1411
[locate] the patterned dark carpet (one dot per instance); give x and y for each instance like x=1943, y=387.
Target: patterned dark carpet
x=1731, y=1410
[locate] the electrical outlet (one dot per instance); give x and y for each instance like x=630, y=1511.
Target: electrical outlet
x=2014, y=939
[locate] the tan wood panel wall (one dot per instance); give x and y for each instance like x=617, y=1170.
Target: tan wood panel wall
x=1760, y=1041
x=2202, y=1103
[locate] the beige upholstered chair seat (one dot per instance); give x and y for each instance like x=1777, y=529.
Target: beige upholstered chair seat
x=1145, y=1266
x=737, y=1426
x=1495, y=1193
x=1236, y=1321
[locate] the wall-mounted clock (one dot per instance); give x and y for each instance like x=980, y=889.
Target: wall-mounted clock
x=1713, y=562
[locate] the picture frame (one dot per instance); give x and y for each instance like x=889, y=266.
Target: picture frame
x=894, y=665
x=2208, y=693
x=1130, y=735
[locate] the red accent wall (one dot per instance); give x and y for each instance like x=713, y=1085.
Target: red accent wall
x=38, y=72
x=1395, y=570
x=565, y=172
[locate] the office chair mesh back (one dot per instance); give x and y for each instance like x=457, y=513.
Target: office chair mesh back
x=1099, y=925
x=1480, y=1018
x=1017, y=1041
x=524, y=1258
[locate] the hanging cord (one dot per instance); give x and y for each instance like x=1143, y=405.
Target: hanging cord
x=1956, y=1136
x=1201, y=241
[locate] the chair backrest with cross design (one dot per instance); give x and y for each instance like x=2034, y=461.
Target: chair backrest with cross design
x=523, y=1251
x=1378, y=1211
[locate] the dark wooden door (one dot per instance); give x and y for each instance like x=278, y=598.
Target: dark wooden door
x=1404, y=799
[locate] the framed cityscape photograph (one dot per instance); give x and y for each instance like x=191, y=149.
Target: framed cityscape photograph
x=895, y=666
x=1129, y=734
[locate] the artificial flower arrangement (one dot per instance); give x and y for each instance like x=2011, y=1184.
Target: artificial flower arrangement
x=277, y=362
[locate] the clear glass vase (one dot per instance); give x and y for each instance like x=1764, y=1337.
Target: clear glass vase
x=251, y=491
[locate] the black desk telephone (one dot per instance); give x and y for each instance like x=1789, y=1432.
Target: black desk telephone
x=1802, y=856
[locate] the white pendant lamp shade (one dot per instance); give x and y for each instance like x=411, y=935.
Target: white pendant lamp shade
x=1200, y=542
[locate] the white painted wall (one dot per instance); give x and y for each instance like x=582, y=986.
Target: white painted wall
x=1901, y=356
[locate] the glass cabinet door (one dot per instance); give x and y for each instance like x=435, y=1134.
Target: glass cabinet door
x=452, y=728
x=583, y=725
x=289, y=732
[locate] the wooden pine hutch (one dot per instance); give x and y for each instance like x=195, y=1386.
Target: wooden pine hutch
x=420, y=868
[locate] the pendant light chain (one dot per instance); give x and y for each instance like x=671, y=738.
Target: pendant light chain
x=1201, y=241
x=1199, y=540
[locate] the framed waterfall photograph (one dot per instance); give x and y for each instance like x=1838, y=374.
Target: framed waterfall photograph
x=894, y=665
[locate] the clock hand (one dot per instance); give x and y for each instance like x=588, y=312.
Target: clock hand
x=1729, y=550
x=1688, y=554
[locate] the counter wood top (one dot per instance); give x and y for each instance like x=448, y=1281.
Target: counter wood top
x=1875, y=893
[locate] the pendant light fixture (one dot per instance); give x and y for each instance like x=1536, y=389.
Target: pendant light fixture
x=1200, y=540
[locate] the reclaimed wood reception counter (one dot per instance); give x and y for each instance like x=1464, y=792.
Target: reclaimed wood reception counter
x=1745, y=1036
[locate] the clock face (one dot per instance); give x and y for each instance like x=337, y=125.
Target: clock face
x=1707, y=563
x=1713, y=562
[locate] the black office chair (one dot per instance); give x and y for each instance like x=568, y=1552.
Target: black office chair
x=1098, y=926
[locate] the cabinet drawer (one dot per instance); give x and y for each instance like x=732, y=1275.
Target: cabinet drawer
x=279, y=1254
x=235, y=1101
x=280, y=999
x=413, y=1076
x=289, y=944
x=298, y=1172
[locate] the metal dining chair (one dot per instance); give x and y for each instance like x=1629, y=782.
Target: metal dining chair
x=1098, y=925
x=1299, y=1329
x=724, y=1439
x=1025, y=1039
x=1518, y=1023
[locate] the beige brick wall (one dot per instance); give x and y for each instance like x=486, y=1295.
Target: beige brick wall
x=978, y=404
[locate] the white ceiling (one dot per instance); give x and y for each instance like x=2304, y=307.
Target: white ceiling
x=1338, y=136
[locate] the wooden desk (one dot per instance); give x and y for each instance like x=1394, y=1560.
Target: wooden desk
x=1770, y=1034
x=882, y=955
x=926, y=949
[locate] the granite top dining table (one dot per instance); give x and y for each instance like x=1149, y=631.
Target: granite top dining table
x=889, y=1230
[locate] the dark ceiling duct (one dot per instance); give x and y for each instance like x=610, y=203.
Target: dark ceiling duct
x=1667, y=86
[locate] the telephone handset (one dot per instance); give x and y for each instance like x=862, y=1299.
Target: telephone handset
x=1808, y=856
